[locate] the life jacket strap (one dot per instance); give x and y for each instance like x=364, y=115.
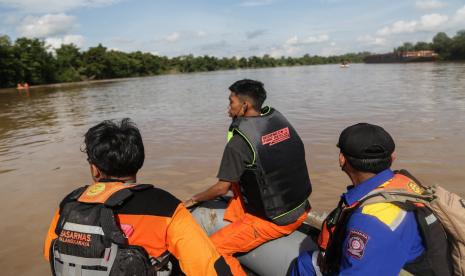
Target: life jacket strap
x=394, y=196
x=110, y=228
x=160, y=263
x=118, y=198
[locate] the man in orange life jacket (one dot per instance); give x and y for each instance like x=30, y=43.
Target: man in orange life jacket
x=377, y=238
x=264, y=164
x=142, y=217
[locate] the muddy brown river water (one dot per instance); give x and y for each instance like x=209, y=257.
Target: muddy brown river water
x=183, y=121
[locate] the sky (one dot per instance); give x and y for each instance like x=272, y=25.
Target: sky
x=226, y=28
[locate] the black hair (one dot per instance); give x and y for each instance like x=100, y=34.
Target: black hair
x=115, y=148
x=376, y=165
x=252, y=89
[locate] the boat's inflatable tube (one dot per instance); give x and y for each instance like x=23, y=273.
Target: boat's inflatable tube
x=271, y=258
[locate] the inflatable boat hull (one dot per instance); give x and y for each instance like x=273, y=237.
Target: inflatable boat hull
x=271, y=258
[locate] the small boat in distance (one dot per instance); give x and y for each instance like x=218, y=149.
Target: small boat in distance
x=22, y=86
x=344, y=64
x=403, y=57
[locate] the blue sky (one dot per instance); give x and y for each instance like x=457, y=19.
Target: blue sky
x=233, y=27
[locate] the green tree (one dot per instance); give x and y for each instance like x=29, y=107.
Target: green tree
x=458, y=45
x=119, y=65
x=254, y=62
x=8, y=63
x=30, y=60
x=407, y=46
x=442, y=45
x=95, y=62
x=36, y=63
x=144, y=64
x=422, y=46
x=69, y=62
x=243, y=63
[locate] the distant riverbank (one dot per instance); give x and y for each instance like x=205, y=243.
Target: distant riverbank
x=92, y=82
x=31, y=61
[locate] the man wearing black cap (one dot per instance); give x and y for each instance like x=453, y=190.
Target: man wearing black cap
x=361, y=237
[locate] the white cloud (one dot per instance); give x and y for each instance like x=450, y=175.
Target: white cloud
x=332, y=51
x=51, y=6
x=309, y=40
x=316, y=39
x=289, y=48
x=294, y=46
x=429, y=22
x=292, y=41
x=286, y=50
x=255, y=3
x=77, y=40
x=183, y=35
x=47, y=25
x=398, y=27
x=200, y=33
x=56, y=42
x=173, y=37
x=459, y=17
x=427, y=5
x=370, y=40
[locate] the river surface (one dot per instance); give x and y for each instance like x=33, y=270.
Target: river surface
x=183, y=122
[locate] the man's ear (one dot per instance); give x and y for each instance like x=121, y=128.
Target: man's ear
x=248, y=105
x=95, y=172
x=247, y=102
x=393, y=156
x=342, y=160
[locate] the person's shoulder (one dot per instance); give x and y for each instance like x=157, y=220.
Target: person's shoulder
x=236, y=142
x=386, y=214
x=152, y=201
x=239, y=145
x=74, y=195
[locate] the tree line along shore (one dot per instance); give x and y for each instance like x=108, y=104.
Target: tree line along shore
x=31, y=61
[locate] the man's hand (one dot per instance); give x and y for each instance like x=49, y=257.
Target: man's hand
x=190, y=202
x=219, y=189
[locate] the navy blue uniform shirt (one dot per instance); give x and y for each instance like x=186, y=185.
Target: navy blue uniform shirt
x=380, y=238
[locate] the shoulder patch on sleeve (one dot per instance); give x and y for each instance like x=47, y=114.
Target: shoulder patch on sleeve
x=356, y=244
x=387, y=213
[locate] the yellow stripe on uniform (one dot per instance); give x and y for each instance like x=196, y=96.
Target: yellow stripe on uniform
x=388, y=213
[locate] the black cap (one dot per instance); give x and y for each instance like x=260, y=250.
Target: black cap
x=366, y=141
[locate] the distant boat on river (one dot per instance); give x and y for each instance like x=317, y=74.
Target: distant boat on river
x=401, y=57
x=344, y=64
x=22, y=86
